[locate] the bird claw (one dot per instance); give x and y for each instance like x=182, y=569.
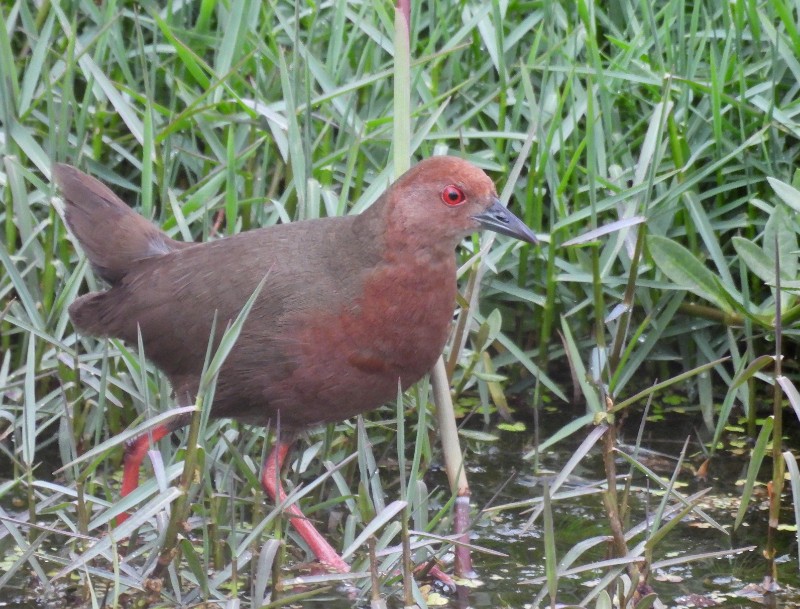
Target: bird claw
x=435, y=573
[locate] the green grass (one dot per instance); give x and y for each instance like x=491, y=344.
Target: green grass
x=213, y=118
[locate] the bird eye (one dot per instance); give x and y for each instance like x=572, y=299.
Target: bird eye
x=453, y=195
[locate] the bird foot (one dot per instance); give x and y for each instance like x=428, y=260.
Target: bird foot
x=437, y=575
x=316, y=567
x=333, y=563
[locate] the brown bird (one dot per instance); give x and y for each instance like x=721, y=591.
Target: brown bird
x=350, y=305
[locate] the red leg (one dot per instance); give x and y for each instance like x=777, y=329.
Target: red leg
x=271, y=482
x=135, y=452
x=463, y=558
x=436, y=573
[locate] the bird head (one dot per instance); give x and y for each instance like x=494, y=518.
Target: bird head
x=449, y=198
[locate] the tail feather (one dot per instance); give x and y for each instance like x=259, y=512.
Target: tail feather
x=91, y=315
x=113, y=236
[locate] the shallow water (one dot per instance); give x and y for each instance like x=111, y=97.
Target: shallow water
x=500, y=475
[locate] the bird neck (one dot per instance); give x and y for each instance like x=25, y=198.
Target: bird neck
x=402, y=241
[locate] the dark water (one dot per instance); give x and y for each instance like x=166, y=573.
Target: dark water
x=500, y=475
x=516, y=581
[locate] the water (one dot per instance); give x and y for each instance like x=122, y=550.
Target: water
x=499, y=475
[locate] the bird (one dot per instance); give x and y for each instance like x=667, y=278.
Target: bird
x=350, y=306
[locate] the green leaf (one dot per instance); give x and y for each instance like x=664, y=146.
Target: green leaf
x=550, y=555
x=193, y=64
x=686, y=271
x=488, y=330
x=757, y=364
x=788, y=194
x=518, y=426
x=756, y=458
x=479, y=436
x=778, y=233
x=794, y=480
x=756, y=259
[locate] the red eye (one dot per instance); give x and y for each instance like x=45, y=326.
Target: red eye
x=453, y=195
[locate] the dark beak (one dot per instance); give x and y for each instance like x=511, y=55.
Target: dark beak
x=498, y=219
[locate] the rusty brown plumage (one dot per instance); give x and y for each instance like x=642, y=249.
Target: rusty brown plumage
x=350, y=306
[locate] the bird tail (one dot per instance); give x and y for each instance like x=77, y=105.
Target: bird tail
x=113, y=236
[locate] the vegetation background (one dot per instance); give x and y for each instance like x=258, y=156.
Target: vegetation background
x=653, y=147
